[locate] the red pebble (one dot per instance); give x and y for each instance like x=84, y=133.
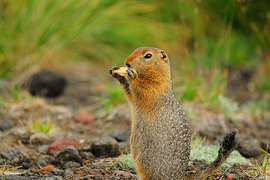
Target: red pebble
x=230, y=177
x=46, y=169
x=84, y=118
x=217, y=175
x=61, y=144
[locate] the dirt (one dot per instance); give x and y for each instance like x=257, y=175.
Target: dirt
x=80, y=96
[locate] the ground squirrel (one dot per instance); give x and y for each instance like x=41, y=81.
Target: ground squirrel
x=160, y=132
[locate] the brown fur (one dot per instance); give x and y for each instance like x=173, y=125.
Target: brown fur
x=160, y=132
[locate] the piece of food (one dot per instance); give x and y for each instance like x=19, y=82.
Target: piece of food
x=122, y=71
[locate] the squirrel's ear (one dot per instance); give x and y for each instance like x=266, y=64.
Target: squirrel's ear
x=164, y=56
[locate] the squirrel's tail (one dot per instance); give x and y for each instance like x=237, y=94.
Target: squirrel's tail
x=227, y=145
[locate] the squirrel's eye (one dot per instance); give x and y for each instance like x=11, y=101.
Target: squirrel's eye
x=147, y=56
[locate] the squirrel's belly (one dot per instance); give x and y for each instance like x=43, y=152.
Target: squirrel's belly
x=162, y=153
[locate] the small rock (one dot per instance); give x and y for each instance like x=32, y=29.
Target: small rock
x=10, y=154
x=41, y=163
x=25, y=139
x=15, y=151
x=120, y=135
x=115, y=178
x=68, y=154
x=61, y=144
x=25, y=165
x=43, y=149
x=93, y=172
x=230, y=177
x=5, y=125
x=68, y=173
x=124, y=174
x=70, y=165
x=15, y=161
x=99, y=165
x=46, y=169
x=47, y=83
x=24, y=162
x=17, y=177
x=105, y=147
x=24, y=159
x=40, y=138
x=87, y=156
x=28, y=173
x=84, y=118
x=54, y=178
x=6, y=156
x=87, y=177
x=57, y=171
x=47, y=174
x=247, y=148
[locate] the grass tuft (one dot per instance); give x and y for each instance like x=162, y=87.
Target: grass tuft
x=114, y=97
x=127, y=161
x=261, y=169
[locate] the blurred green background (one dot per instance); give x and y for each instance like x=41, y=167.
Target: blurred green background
x=204, y=38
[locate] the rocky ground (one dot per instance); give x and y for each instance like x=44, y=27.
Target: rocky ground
x=82, y=141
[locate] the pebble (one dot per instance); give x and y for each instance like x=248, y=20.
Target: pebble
x=230, y=177
x=93, y=172
x=47, y=83
x=5, y=125
x=15, y=161
x=87, y=156
x=116, y=178
x=40, y=138
x=10, y=154
x=68, y=154
x=54, y=178
x=68, y=173
x=91, y=177
x=57, y=171
x=84, y=118
x=105, y=147
x=15, y=151
x=124, y=174
x=25, y=165
x=247, y=148
x=41, y=163
x=6, y=156
x=61, y=144
x=46, y=169
x=17, y=177
x=120, y=135
x=25, y=139
x=24, y=159
x=43, y=149
x=71, y=164
x=48, y=174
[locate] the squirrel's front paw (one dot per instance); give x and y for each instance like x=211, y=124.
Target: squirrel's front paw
x=132, y=73
x=112, y=71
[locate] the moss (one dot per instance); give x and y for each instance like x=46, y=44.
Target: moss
x=209, y=153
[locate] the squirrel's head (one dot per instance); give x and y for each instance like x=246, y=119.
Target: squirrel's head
x=150, y=63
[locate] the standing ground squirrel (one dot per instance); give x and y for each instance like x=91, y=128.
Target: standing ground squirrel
x=160, y=132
